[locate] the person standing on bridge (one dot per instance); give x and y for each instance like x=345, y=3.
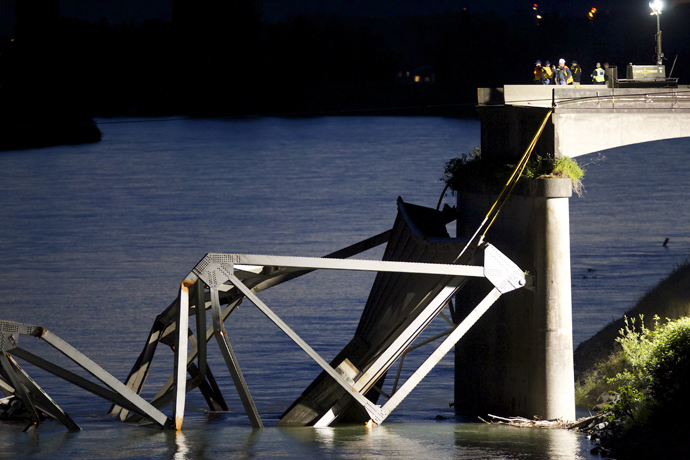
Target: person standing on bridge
x=607, y=74
x=563, y=74
x=547, y=74
x=598, y=75
x=577, y=73
x=538, y=69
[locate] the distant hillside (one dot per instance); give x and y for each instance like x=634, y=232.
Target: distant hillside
x=668, y=299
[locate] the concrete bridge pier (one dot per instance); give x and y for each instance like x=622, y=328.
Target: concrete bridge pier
x=553, y=296
x=518, y=359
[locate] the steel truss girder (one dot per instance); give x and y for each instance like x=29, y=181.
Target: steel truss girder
x=219, y=270
x=165, y=326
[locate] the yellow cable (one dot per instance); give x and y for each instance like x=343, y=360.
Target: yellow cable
x=515, y=177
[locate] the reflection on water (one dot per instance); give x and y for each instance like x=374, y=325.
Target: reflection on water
x=182, y=451
x=499, y=441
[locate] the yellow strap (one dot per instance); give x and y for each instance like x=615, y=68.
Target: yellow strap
x=513, y=180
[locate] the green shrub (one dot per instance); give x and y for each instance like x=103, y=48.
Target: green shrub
x=626, y=403
x=656, y=376
x=562, y=167
x=567, y=167
x=470, y=174
x=589, y=390
x=669, y=366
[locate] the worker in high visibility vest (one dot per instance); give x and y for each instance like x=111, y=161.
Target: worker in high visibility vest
x=547, y=74
x=537, y=73
x=598, y=75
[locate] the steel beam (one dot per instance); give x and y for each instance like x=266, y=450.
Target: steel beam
x=439, y=353
x=21, y=391
x=392, y=352
x=246, y=262
x=137, y=377
x=231, y=361
x=98, y=372
x=41, y=399
x=372, y=409
x=181, y=355
x=77, y=380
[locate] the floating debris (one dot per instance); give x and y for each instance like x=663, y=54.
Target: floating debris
x=522, y=422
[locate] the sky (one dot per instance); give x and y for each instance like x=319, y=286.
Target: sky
x=123, y=11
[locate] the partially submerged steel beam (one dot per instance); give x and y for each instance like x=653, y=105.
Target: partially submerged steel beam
x=232, y=363
x=217, y=269
x=419, y=275
x=441, y=351
x=165, y=326
x=23, y=384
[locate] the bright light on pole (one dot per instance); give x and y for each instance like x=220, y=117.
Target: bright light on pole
x=657, y=6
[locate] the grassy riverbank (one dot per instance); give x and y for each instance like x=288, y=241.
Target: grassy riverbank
x=637, y=372
x=670, y=298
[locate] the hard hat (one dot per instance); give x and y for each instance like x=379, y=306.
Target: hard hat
x=538, y=61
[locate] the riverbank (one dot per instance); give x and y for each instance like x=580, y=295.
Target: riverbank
x=635, y=372
x=670, y=298
x=37, y=131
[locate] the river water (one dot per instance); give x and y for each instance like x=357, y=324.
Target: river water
x=94, y=240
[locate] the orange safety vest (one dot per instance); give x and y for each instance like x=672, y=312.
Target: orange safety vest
x=537, y=73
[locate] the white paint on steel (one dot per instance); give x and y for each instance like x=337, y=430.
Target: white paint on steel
x=393, y=352
x=98, y=372
x=441, y=351
x=231, y=362
x=181, y=356
x=212, y=261
x=374, y=411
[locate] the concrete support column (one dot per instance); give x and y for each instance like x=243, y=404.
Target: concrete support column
x=553, y=289
x=518, y=359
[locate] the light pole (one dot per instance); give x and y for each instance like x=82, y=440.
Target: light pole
x=657, y=6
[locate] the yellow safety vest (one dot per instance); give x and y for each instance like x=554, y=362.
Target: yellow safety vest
x=599, y=74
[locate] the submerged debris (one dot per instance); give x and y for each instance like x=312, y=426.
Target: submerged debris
x=12, y=409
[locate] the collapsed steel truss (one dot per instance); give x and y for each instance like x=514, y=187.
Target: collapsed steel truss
x=225, y=272
x=219, y=282
x=17, y=382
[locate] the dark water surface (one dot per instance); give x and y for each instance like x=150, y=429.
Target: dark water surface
x=95, y=239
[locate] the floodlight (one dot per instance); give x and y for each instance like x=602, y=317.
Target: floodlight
x=656, y=6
